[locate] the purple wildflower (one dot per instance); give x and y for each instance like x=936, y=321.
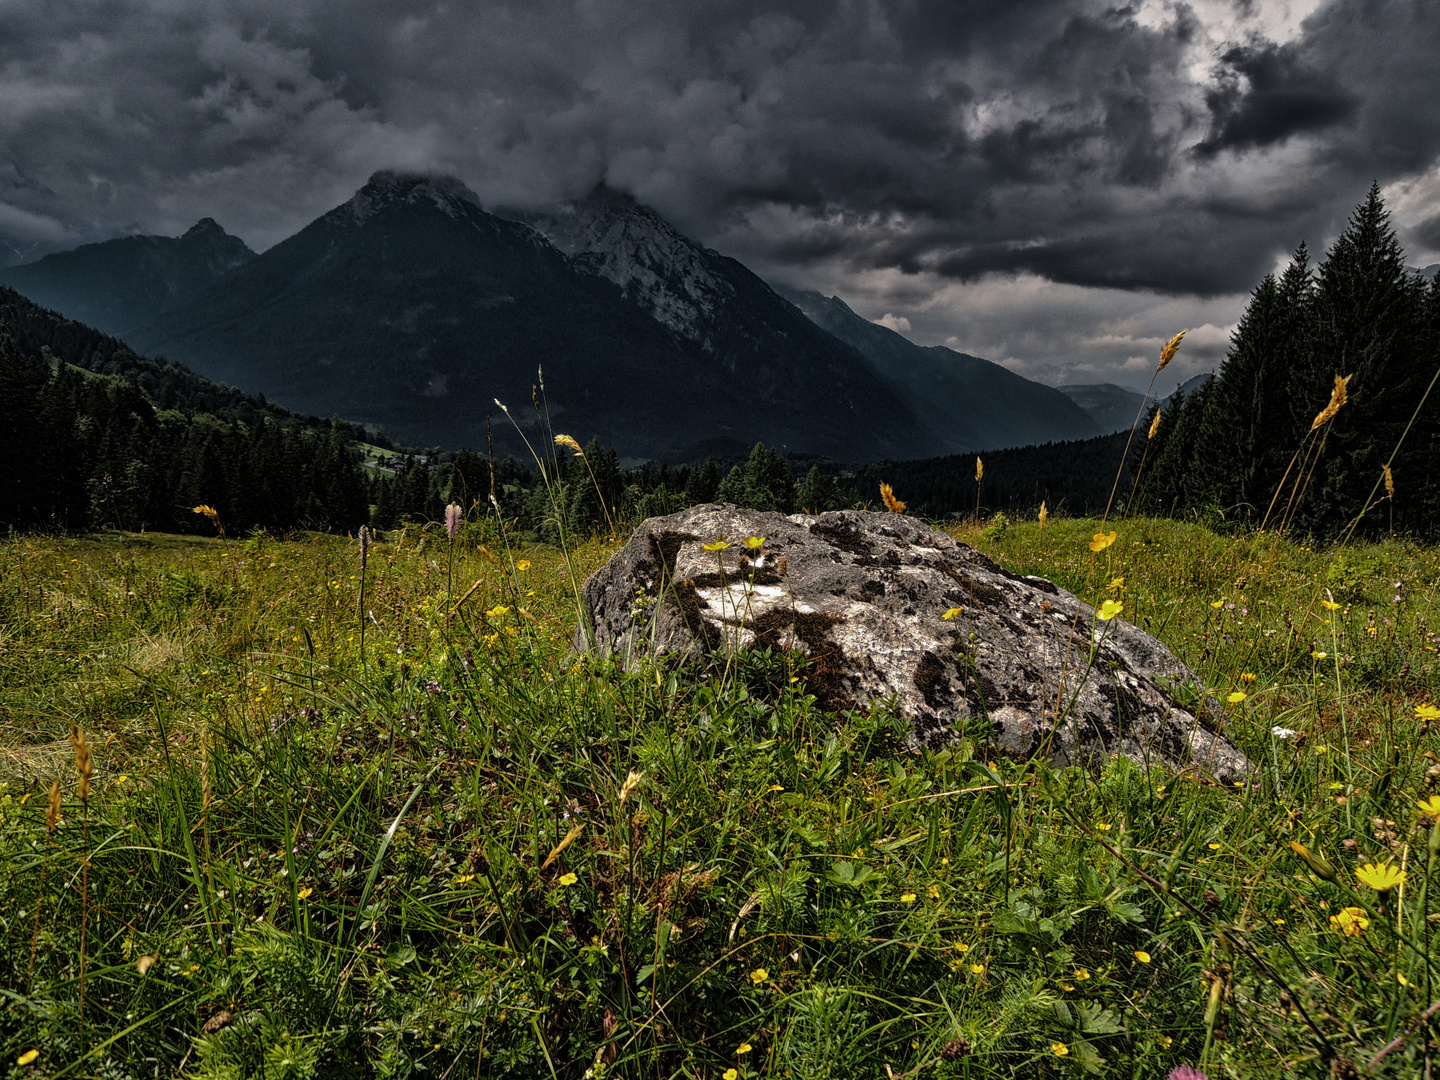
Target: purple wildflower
x=453, y=514
x=1186, y=1072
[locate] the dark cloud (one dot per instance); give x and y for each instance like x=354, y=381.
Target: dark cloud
x=1266, y=94
x=1158, y=147
x=1427, y=233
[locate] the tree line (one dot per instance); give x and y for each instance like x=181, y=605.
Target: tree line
x=81, y=451
x=1249, y=445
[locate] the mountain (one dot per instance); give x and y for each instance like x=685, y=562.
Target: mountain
x=47, y=334
x=1113, y=407
x=976, y=404
x=116, y=284
x=412, y=308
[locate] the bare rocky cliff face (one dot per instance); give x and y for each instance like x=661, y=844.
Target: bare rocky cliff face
x=1022, y=666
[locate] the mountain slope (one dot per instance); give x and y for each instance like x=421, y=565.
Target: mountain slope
x=41, y=333
x=116, y=284
x=411, y=307
x=974, y=403
x=1111, y=406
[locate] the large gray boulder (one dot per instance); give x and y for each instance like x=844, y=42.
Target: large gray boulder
x=1024, y=666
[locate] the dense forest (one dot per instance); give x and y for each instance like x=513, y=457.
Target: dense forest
x=84, y=451
x=1259, y=444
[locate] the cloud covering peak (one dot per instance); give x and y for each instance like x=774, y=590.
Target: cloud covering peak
x=912, y=155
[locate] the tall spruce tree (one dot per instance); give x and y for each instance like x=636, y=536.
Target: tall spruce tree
x=1369, y=322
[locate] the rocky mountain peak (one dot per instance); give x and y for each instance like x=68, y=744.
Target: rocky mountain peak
x=658, y=267
x=388, y=188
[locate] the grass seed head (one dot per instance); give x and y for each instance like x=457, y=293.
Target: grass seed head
x=894, y=505
x=979, y=470
x=569, y=441
x=1155, y=424
x=83, y=764
x=1338, y=396
x=1389, y=483
x=1044, y=513
x=631, y=783
x=52, y=812
x=1171, y=348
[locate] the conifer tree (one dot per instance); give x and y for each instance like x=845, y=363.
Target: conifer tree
x=1368, y=323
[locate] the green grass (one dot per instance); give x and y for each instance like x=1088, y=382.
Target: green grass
x=333, y=863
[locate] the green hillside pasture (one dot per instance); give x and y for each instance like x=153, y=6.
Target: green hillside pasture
x=463, y=851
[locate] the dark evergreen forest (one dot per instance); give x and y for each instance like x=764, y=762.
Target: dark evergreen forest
x=1248, y=446
x=80, y=451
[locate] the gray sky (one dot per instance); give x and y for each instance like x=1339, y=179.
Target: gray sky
x=1053, y=184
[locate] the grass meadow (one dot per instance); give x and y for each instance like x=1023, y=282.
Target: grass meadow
x=412, y=834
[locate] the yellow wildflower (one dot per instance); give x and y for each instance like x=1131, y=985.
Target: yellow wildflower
x=1350, y=921
x=1382, y=877
x=1102, y=541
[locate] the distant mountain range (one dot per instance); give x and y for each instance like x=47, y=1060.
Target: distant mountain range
x=1112, y=407
x=974, y=404
x=411, y=308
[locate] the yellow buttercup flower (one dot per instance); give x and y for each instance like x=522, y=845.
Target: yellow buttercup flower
x=715, y=545
x=1382, y=877
x=1247, y=676
x=977, y=969
x=568, y=879
x=729, y=1074
x=1430, y=807
x=29, y=1057
x=753, y=542
x=1108, y=610
x=907, y=898
x=1236, y=697
x=1116, y=583
x=1350, y=921
x=744, y=1048
x=759, y=975
x=1427, y=712
x=523, y=564
x=1102, y=541
x=1059, y=1049
x=1329, y=605
x=952, y=613
x=497, y=611
x=1142, y=956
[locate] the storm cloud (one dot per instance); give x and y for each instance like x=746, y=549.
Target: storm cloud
x=916, y=157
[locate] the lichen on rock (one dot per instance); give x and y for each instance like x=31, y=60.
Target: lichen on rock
x=1023, y=666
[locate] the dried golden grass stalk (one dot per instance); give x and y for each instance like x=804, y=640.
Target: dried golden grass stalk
x=1171, y=348
x=52, y=812
x=1043, y=514
x=575, y=831
x=1155, y=424
x=1338, y=396
x=631, y=783
x=569, y=440
x=894, y=505
x=1389, y=483
x=979, y=470
x=83, y=764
